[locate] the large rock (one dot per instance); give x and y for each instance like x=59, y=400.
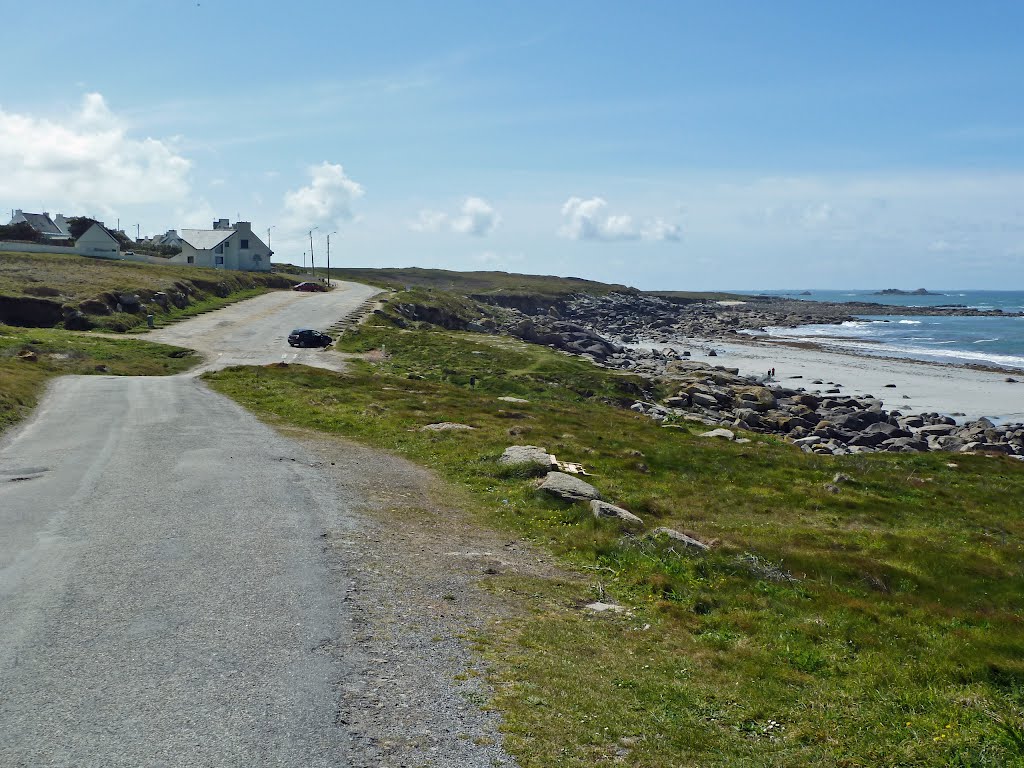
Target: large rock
x=604, y=511
x=568, y=487
x=726, y=434
x=526, y=455
x=679, y=538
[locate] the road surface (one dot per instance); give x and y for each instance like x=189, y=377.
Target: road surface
x=255, y=332
x=165, y=597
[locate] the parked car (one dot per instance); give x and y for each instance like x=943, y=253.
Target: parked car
x=309, y=287
x=307, y=337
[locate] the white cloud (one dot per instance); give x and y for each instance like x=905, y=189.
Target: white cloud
x=589, y=220
x=87, y=160
x=659, y=229
x=476, y=217
x=429, y=221
x=326, y=201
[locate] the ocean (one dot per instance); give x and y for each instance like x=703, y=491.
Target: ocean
x=994, y=341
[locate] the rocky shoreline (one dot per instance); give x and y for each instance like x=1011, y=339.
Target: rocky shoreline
x=823, y=423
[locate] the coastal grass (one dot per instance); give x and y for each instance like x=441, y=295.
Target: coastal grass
x=880, y=625
x=59, y=352
x=481, y=282
x=173, y=314
x=68, y=281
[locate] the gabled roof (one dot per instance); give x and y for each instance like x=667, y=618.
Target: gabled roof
x=205, y=239
x=43, y=224
x=104, y=230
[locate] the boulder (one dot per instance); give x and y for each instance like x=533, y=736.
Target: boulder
x=444, y=426
x=532, y=455
x=679, y=538
x=568, y=487
x=604, y=511
x=726, y=434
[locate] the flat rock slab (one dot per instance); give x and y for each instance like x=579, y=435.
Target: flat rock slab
x=444, y=426
x=679, y=537
x=725, y=434
x=604, y=511
x=526, y=454
x=600, y=607
x=510, y=399
x=568, y=487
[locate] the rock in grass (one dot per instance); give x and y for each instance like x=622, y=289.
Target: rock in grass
x=604, y=511
x=530, y=455
x=725, y=434
x=445, y=426
x=568, y=487
x=680, y=538
x=602, y=607
x=510, y=399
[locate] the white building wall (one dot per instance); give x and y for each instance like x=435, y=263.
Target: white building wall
x=15, y=246
x=95, y=242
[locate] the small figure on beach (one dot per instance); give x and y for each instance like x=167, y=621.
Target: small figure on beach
x=772, y=373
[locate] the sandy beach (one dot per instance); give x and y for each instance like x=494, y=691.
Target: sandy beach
x=963, y=393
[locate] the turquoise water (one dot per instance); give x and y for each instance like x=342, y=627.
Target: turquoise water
x=997, y=341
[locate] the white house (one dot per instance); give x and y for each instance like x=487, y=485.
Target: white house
x=226, y=246
x=97, y=241
x=170, y=237
x=50, y=229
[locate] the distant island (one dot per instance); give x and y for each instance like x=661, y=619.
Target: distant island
x=899, y=292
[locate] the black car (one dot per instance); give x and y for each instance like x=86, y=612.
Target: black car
x=307, y=337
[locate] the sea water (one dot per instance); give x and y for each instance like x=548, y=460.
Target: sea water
x=991, y=341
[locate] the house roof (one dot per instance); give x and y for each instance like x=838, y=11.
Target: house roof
x=104, y=230
x=205, y=239
x=43, y=224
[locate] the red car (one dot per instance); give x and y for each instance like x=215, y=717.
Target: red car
x=309, y=287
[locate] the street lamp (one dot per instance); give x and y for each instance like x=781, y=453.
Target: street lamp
x=312, y=263
x=329, y=256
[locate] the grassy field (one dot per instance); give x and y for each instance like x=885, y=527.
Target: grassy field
x=878, y=626
x=503, y=283
x=31, y=356
x=56, y=281
x=477, y=282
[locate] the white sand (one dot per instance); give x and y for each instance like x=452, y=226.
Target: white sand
x=920, y=387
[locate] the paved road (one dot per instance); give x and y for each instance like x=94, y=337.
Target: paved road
x=255, y=332
x=164, y=595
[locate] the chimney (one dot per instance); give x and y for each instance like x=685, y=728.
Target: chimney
x=222, y=224
x=243, y=226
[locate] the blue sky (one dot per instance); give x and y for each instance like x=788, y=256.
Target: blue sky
x=664, y=145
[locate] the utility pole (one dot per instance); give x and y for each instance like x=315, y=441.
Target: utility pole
x=312, y=262
x=329, y=256
x=138, y=236
x=268, y=234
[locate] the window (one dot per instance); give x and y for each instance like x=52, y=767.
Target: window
x=219, y=260
x=244, y=245
x=191, y=259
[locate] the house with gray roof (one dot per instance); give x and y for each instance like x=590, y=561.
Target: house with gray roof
x=50, y=229
x=225, y=246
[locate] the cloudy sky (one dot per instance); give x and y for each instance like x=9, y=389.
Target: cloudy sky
x=660, y=144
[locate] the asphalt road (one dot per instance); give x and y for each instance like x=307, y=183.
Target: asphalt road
x=255, y=332
x=165, y=597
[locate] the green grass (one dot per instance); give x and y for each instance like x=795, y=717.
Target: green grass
x=69, y=281
x=59, y=352
x=477, y=282
x=899, y=641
